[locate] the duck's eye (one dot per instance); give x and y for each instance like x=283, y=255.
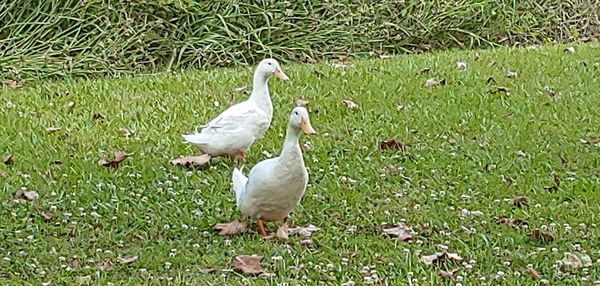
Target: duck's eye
x=295, y=112
x=269, y=63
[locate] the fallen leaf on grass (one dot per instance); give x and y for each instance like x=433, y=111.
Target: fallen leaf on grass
x=282, y=232
x=571, y=261
x=433, y=82
x=569, y=50
x=128, y=260
x=97, y=117
x=247, y=264
x=27, y=195
x=50, y=130
x=500, y=89
x=447, y=274
x=306, y=242
x=120, y=156
x=461, y=65
x=243, y=89
x=490, y=80
x=440, y=257
x=10, y=84
x=3, y=175
x=542, y=235
x=191, y=161
x=47, y=215
x=105, y=265
x=350, y=104
x=126, y=132
x=508, y=181
x=505, y=219
x=393, y=144
x=520, y=201
x=8, y=159
x=301, y=102
x=231, y=228
x=206, y=270
x=400, y=231
x=424, y=70
x=511, y=74
x=303, y=231
x=533, y=273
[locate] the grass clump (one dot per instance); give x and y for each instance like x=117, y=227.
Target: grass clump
x=40, y=39
x=506, y=180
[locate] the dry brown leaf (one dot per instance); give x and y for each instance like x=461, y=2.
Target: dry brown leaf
x=191, y=161
x=462, y=65
x=430, y=82
x=424, y=70
x=440, y=257
x=508, y=181
x=393, y=144
x=533, y=273
x=306, y=242
x=27, y=195
x=243, y=89
x=206, y=270
x=282, y=232
x=520, y=201
x=569, y=50
x=247, y=264
x=231, y=228
x=303, y=231
x=350, y=104
x=52, y=129
x=120, y=156
x=500, y=89
x=8, y=159
x=97, y=117
x=10, y=84
x=542, y=235
x=301, y=102
x=105, y=265
x=126, y=132
x=571, y=261
x=47, y=215
x=128, y=260
x=447, y=274
x=490, y=80
x=400, y=231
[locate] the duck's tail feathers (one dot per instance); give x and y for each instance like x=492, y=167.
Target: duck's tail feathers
x=239, y=184
x=194, y=138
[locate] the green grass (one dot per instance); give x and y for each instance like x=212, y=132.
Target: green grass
x=57, y=38
x=149, y=208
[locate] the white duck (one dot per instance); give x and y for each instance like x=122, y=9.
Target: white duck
x=235, y=130
x=275, y=186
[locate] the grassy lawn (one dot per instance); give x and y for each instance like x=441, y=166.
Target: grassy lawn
x=468, y=149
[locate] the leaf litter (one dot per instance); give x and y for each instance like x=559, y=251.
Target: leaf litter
x=303, y=231
x=191, y=161
x=231, y=228
x=248, y=264
x=350, y=104
x=119, y=156
x=8, y=159
x=400, y=231
x=393, y=144
x=440, y=257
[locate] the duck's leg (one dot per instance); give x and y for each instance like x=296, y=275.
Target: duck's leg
x=261, y=228
x=241, y=158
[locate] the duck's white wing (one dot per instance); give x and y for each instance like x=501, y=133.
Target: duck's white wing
x=242, y=116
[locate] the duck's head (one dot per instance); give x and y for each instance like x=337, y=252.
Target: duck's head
x=269, y=68
x=299, y=119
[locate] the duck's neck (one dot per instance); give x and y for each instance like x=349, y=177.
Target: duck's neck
x=291, y=148
x=260, y=93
